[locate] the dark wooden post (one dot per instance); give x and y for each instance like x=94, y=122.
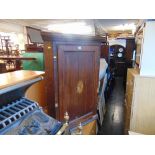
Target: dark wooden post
x=49, y=78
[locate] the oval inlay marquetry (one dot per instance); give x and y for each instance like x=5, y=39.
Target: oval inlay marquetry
x=79, y=88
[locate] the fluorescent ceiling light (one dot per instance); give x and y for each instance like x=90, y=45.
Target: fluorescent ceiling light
x=72, y=28
x=125, y=27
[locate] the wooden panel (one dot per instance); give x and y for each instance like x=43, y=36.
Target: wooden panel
x=88, y=98
x=37, y=93
x=143, y=108
x=140, y=103
x=130, y=85
x=12, y=78
x=73, y=38
x=78, y=79
x=2, y=68
x=33, y=48
x=130, y=47
x=139, y=44
x=49, y=78
x=16, y=58
x=131, y=74
x=105, y=51
x=138, y=53
x=90, y=128
x=68, y=98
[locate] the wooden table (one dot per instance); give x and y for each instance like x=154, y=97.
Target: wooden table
x=12, y=78
x=17, y=59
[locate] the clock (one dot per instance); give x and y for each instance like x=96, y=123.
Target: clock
x=120, y=49
x=119, y=55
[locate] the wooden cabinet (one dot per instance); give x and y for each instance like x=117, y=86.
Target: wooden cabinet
x=139, y=103
x=72, y=69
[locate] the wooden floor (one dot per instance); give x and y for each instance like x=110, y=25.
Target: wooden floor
x=113, y=123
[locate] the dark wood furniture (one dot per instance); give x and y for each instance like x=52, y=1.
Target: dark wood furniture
x=33, y=48
x=72, y=69
x=130, y=47
x=17, y=60
x=2, y=68
x=34, y=39
x=105, y=51
x=117, y=60
x=122, y=58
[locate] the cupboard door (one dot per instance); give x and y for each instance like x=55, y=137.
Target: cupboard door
x=78, y=69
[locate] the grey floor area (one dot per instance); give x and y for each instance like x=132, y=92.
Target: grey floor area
x=113, y=123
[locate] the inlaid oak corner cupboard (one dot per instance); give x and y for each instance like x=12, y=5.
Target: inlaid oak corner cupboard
x=72, y=69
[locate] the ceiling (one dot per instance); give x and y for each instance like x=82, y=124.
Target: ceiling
x=112, y=27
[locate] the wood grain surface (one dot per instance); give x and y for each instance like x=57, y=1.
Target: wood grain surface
x=12, y=78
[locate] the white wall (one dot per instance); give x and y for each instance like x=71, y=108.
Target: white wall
x=16, y=31
x=147, y=67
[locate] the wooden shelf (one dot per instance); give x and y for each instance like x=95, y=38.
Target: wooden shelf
x=15, y=58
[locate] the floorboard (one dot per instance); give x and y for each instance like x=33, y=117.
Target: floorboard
x=113, y=123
